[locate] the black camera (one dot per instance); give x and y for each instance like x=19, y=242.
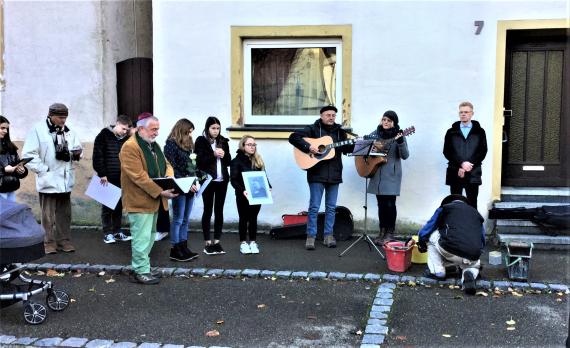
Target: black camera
x=62, y=152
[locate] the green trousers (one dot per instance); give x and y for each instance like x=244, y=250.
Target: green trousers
x=143, y=227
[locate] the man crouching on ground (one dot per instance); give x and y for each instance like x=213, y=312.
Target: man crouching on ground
x=141, y=160
x=454, y=236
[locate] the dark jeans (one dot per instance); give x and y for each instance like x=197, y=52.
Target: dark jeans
x=387, y=211
x=471, y=192
x=112, y=218
x=214, y=197
x=247, y=218
x=163, y=220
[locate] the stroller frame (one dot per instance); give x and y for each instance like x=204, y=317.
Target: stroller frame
x=34, y=313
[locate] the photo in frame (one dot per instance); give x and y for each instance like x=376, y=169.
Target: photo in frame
x=257, y=186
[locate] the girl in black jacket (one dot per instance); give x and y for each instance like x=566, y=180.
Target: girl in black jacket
x=213, y=158
x=10, y=171
x=246, y=160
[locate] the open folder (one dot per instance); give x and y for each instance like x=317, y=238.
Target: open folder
x=180, y=185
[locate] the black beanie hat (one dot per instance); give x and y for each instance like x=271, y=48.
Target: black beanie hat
x=327, y=108
x=454, y=197
x=391, y=115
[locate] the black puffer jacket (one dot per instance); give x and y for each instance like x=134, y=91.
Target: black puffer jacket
x=10, y=182
x=241, y=163
x=461, y=230
x=206, y=161
x=327, y=171
x=106, y=155
x=457, y=150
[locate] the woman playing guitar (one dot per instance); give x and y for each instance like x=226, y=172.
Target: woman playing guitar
x=385, y=183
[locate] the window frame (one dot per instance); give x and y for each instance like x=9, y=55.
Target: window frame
x=240, y=126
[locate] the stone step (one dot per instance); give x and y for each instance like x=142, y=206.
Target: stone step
x=522, y=204
x=523, y=227
x=541, y=242
x=536, y=194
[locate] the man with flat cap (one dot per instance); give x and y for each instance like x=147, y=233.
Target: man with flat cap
x=141, y=161
x=325, y=176
x=54, y=147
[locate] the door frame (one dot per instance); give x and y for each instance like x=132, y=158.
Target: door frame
x=498, y=118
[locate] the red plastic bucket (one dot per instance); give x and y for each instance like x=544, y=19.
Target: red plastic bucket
x=398, y=255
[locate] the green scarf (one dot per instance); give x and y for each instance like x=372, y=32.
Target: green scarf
x=155, y=163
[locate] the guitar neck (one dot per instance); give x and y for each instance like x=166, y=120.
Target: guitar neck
x=340, y=143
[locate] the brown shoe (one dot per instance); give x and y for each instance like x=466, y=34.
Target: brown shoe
x=50, y=249
x=66, y=246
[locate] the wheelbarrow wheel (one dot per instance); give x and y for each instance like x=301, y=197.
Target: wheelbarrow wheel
x=34, y=313
x=57, y=300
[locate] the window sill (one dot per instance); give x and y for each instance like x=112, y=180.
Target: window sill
x=265, y=131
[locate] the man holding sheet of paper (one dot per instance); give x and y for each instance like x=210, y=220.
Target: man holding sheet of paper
x=141, y=160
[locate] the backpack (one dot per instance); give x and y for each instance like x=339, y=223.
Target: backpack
x=553, y=216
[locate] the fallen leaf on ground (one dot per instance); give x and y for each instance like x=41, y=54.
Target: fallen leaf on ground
x=110, y=280
x=401, y=338
x=273, y=278
x=140, y=293
x=516, y=294
x=446, y=335
x=77, y=275
x=314, y=317
x=92, y=290
x=213, y=333
x=359, y=332
x=411, y=283
x=427, y=286
x=560, y=293
x=558, y=300
x=510, y=328
x=283, y=296
x=219, y=322
x=481, y=293
x=72, y=300
x=54, y=273
x=100, y=274
x=510, y=322
x=261, y=306
x=452, y=286
x=458, y=297
x=40, y=273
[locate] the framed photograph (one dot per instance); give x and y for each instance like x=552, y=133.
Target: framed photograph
x=257, y=186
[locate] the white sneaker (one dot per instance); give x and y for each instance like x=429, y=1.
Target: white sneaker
x=244, y=248
x=253, y=247
x=109, y=238
x=160, y=236
x=122, y=237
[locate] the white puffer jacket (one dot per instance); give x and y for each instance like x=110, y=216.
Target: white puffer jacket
x=53, y=176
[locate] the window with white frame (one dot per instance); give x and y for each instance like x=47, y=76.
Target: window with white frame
x=287, y=81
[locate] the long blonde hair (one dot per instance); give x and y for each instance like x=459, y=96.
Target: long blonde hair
x=256, y=160
x=179, y=134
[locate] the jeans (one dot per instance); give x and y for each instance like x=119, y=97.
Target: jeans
x=112, y=218
x=331, y=193
x=181, y=209
x=214, y=197
x=11, y=196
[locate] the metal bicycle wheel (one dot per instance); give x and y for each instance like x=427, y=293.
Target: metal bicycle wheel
x=57, y=300
x=34, y=313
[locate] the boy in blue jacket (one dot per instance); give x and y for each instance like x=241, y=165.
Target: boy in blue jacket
x=454, y=236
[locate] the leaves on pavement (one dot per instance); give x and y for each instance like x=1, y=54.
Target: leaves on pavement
x=260, y=306
x=219, y=322
x=54, y=273
x=446, y=335
x=213, y=333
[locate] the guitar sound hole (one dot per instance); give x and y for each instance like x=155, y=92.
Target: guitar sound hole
x=322, y=148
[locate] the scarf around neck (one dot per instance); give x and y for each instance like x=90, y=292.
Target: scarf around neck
x=155, y=162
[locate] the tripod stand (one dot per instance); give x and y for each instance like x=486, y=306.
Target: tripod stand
x=364, y=236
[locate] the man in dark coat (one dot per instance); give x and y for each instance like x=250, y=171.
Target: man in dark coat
x=106, y=163
x=325, y=176
x=465, y=147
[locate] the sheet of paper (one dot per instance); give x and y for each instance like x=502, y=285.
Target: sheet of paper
x=203, y=186
x=107, y=195
x=185, y=184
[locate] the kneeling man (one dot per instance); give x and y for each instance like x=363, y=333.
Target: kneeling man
x=454, y=236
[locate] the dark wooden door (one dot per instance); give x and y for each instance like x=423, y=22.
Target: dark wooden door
x=535, y=134
x=134, y=87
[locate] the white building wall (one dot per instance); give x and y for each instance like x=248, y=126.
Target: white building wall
x=420, y=59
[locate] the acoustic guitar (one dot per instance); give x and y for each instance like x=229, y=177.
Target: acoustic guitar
x=366, y=166
x=326, y=150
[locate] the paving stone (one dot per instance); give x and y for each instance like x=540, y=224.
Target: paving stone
x=232, y=273
x=172, y=346
x=388, y=286
x=503, y=285
x=79, y=267
x=267, y=273
x=7, y=339
x=391, y=278
x=378, y=315
x=426, y=281
x=300, y=274
x=387, y=295
x=99, y=344
x=369, y=346
x=337, y=275
x=199, y=271
x=317, y=275
x=372, y=339
x=31, y=266
x=484, y=284
x=558, y=287
x=520, y=285
x=167, y=271
x=25, y=340
x=74, y=342
x=376, y=329
x=385, y=309
x=354, y=276
x=538, y=286
x=182, y=272
x=95, y=268
x=48, y=342
x=407, y=279
x=45, y=266
x=449, y=281
x=114, y=269
x=283, y=274
x=124, y=345
x=149, y=345
x=372, y=277
x=62, y=267
x=376, y=322
x=196, y=347
x=251, y=273
x=127, y=270
x=215, y=272
x=383, y=302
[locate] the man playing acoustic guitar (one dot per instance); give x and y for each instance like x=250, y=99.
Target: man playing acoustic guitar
x=326, y=175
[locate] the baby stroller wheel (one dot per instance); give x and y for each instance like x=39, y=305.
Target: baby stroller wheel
x=34, y=313
x=57, y=300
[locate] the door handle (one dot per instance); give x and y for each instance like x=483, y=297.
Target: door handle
x=507, y=113
x=505, y=138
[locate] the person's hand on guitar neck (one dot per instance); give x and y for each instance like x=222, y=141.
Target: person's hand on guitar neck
x=399, y=137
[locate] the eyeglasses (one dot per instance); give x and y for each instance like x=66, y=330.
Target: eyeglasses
x=252, y=145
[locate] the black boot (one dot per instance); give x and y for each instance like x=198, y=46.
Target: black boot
x=388, y=235
x=187, y=252
x=380, y=239
x=178, y=254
